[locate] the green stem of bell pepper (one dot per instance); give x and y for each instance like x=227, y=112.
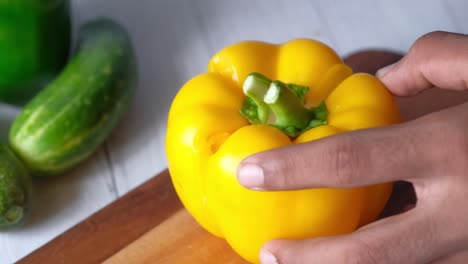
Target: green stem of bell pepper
x=280, y=105
x=255, y=109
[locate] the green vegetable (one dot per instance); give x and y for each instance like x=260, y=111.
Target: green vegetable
x=34, y=46
x=280, y=105
x=15, y=189
x=68, y=120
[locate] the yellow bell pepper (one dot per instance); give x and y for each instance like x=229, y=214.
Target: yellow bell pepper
x=212, y=127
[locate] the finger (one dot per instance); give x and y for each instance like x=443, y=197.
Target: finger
x=457, y=258
x=406, y=238
x=436, y=59
x=430, y=101
x=351, y=159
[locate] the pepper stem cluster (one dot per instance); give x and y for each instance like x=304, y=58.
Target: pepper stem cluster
x=280, y=105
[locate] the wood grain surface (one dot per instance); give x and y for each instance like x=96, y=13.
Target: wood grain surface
x=117, y=225
x=184, y=242
x=148, y=225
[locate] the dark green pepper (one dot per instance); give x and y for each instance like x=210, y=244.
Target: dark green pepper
x=34, y=45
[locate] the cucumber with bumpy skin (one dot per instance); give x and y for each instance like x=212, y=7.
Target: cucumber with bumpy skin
x=71, y=117
x=15, y=189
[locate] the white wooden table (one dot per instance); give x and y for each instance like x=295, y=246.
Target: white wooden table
x=174, y=40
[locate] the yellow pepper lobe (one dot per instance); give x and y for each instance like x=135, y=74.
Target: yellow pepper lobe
x=207, y=138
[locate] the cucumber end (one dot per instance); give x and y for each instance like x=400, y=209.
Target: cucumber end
x=14, y=214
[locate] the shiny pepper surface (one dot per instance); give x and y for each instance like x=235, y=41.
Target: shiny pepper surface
x=207, y=138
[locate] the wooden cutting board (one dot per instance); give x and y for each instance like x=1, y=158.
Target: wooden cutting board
x=150, y=225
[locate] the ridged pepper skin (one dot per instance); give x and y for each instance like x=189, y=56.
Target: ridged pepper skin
x=207, y=138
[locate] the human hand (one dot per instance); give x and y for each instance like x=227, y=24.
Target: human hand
x=431, y=152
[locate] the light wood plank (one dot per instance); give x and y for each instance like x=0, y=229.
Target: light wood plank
x=179, y=239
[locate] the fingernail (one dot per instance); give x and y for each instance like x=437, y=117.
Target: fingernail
x=267, y=258
x=383, y=71
x=250, y=176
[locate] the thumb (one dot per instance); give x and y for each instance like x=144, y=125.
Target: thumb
x=412, y=237
x=435, y=59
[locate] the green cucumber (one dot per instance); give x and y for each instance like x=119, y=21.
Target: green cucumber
x=72, y=116
x=15, y=189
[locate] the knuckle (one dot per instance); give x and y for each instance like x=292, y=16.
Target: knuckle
x=286, y=173
x=451, y=48
x=437, y=34
x=291, y=171
x=442, y=140
x=424, y=45
x=457, y=148
x=359, y=252
x=452, y=139
x=429, y=38
x=346, y=161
